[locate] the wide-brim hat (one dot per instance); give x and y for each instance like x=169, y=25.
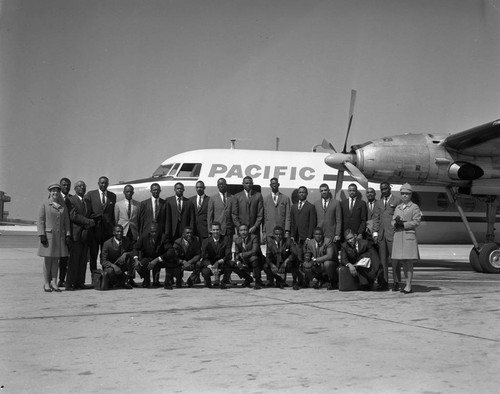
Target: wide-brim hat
x=54, y=186
x=406, y=188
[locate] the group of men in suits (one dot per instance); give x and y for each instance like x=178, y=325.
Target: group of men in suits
x=188, y=231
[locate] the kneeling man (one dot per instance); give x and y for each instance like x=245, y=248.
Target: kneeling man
x=324, y=260
x=248, y=256
x=188, y=251
x=281, y=255
x=148, y=247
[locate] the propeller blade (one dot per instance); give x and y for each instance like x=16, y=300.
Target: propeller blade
x=338, y=184
x=327, y=145
x=351, y=115
x=357, y=174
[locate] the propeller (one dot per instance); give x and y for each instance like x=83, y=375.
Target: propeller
x=344, y=161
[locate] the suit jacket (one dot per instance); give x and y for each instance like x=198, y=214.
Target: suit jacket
x=201, y=229
x=383, y=216
x=350, y=254
x=249, y=210
x=175, y=221
x=121, y=216
x=191, y=252
x=276, y=214
x=212, y=251
x=330, y=220
x=80, y=220
x=370, y=215
x=302, y=222
x=104, y=215
x=146, y=215
x=248, y=247
x=323, y=252
x=277, y=255
x=145, y=247
x=111, y=251
x=222, y=213
x=355, y=219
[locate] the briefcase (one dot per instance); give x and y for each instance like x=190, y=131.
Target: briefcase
x=100, y=280
x=347, y=282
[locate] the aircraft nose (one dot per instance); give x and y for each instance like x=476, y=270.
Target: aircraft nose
x=337, y=160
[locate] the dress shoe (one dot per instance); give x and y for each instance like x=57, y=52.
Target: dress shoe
x=257, y=286
x=317, y=285
x=208, y=284
x=178, y=285
x=132, y=283
x=197, y=280
x=270, y=283
x=156, y=284
x=168, y=286
x=127, y=286
x=189, y=283
x=395, y=286
x=330, y=287
x=223, y=286
x=280, y=285
x=49, y=290
x=56, y=289
x=404, y=291
x=146, y=283
x=296, y=286
x=383, y=287
x=61, y=283
x=69, y=288
x=246, y=283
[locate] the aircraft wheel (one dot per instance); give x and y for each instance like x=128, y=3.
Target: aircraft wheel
x=489, y=258
x=474, y=260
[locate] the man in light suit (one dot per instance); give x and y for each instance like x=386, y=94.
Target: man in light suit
x=354, y=212
x=249, y=207
x=81, y=223
x=276, y=210
x=101, y=204
x=302, y=221
x=329, y=214
x=127, y=214
x=180, y=213
x=383, y=231
x=152, y=210
x=200, y=202
x=221, y=208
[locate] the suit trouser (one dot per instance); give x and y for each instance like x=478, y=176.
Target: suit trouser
x=319, y=272
x=293, y=268
x=227, y=268
x=63, y=268
x=77, y=264
x=172, y=271
x=385, y=249
x=253, y=264
x=195, y=268
x=94, y=246
x=143, y=270
x=126, y=264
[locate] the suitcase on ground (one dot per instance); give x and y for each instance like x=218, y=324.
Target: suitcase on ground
x=100, y=280
x=347, y=282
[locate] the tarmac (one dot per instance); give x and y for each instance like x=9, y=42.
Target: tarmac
x=443, y=338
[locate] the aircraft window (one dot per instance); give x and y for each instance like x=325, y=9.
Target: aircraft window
x=415, y=198
x=162, y=171
x=174, y=169
x=442, y=201
x=189, y=170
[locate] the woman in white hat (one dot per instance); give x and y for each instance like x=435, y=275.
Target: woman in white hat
x=405, y=220
x=53, y=228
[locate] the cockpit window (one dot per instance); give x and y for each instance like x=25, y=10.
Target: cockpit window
x=162, y=171
x=189, y=170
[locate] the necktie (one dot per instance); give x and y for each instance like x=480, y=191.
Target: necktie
x=84, y=207
x=352, y=204
x=300, y=205
x=224, y=199
x=385, y=201
x=371, y=207
x=324, y=204
x=103, y=199
x=129, y=210
x=156, y=208
x=120, y=248
x=199, y=203
x=179, y=205
x=275, y=198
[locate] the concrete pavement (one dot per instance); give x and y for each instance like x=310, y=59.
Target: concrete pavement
x=444, y=338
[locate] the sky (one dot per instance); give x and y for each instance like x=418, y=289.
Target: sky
x=114, y=87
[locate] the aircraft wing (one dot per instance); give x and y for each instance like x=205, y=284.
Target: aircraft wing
x=482, y=140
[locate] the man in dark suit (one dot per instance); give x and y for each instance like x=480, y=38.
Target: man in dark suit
x=302, y=221
x=324, y=259
x=249, y=207
x=149, y=246
x=152, y=210
x=81, y=223
x=101, y=204
x=221, y=209
x=370, y=209
x=168, y=260
x=180, y=213
x=188, y=251
x=200, y=202
x=281, y=257
x=216, y=254
x=248, y=256
x=355, y=249
x=63, y=261
x=116, y=259
x=354, y=212
x=383, y=232
x=329, y=214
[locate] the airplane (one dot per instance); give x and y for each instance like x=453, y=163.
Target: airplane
x=465, y=165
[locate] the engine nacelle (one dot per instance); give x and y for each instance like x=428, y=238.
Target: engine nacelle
x=463, y=171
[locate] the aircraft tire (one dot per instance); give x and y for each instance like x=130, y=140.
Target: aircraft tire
x=474, y=260
x=489, y=258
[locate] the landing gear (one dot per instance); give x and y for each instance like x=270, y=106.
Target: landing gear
x=485, y=257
